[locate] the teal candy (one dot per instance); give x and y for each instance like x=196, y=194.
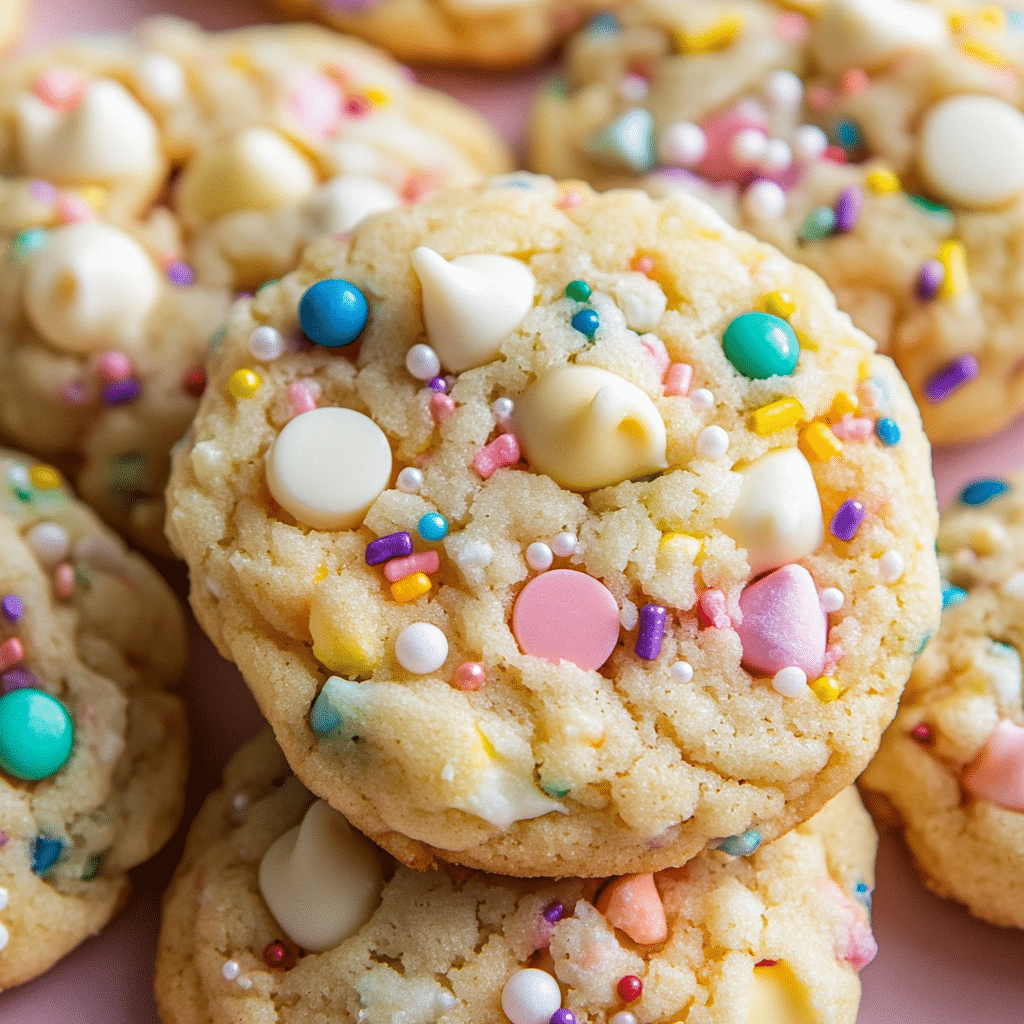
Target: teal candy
x=36, y=734
x=760, y=345
x=627, y=140
x=323, y=716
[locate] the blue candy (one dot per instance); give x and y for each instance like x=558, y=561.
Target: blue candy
x=45, y=852
x=888, y=431
x=333, y=313
x=981, y=491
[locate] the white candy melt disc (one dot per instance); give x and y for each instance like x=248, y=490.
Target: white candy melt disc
x=327, y=467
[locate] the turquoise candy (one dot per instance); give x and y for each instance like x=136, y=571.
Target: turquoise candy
x=36, y=734
x=760, y=345
x=333, y=313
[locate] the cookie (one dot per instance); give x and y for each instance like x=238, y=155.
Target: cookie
x=481, y=33
x=93, y=749
x=148, y=179
x=12, y=14
x=280, y=909
x=880, y=143
x=575, y=560
x=950, y=769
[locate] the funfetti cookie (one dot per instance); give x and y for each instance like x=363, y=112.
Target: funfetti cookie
x=950, y=769
x=555, y=552
x=280, y=910
x=881, y=143
x=93, y=749
x=12, y=14
x=148, y=179
x=481, y=33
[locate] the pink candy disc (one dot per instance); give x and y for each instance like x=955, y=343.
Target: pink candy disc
x=997, y=773
x=565, y=615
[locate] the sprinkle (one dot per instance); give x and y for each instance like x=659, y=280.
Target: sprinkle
x=629, y=988
x=121, y=392
x=953, y=258
x=266, y=343
x=36, y=734
x=396, y=569
x=180, y=274
x=818, y=442
x=278, y=957
x=64, y=580
x=392, y=545
x=888, y=431
x=569, y=201
x=835, y=155
x=421, y=648
x=578, y=291
x=952, y=595
x=422, y=362
x=432, y=526
x=776, y=416
x=987, y=54
x=230, y=970
x=442, y=407
x=12, y=607
x=333, y=313
x=628, y=139
x=194, y=382
x=652, y=631
x=45, y=852
x=301, y=397
x=27, y=241
x=11, y=652
x=950, y=377
x=502, y=451
x=853, y=428
x=410, y=480
x=742, y=844
x=114, y=366
x=539, y=556
x=49, y=542
x=244, y=383
x=438, y=384
x=980, y=492
x=825, y=688
x=790, y=681
x=623, y=1017
x=707, y=40
x=847, y=209
x=678, y=379
x=564, y=544
x=681, y=671
x=832, y=599
x=890, y=567
x=702, y=399
x=923, y=733
x=530, y=996
x=712, y=442
x=818, y=224
x=586, y=321
x=643, y=264
x=847, y=520
x=469, y=676
x=760, y=345
x=848, y=134
x=930, y=207
x=411, y=587
x=882, y=181
x=779, y=303
x=501, y=408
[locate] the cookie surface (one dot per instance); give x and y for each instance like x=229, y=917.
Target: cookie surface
x=146, y=180
x=879, y=143
x=481, y=33
x=951, y=766
x=495, y=616
x=93, y=750
x=456, y=945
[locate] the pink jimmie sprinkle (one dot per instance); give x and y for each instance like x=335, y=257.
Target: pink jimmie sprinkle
x=11, y=652
x=854, y=80
x=470, y=675
x=60, y=88
x=114, y=365
x=853, y=428
x=792, y=27
x=502, y=451
x=301, y=396
x=423, y=561
x=64, y=581
x=678, y=379
x=74, y=210
x=569, y=201
x=713, y=610
x=441, y=407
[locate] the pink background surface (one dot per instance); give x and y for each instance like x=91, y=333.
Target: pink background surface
x=936, y=965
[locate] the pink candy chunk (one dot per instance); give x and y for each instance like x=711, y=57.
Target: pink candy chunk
x=854, y=941
x=60, y=88
x=678, y=379
x=441, y=408
x=853, y=428
x=713, y=609
x=997, y=773
x=315, y=103
x=783, y=623
x=423, y=561
x=718, y=163
x=655, y=348
x=301, y=397
x=633, y=905
x=502, y=451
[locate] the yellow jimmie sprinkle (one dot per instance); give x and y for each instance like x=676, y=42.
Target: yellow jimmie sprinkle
x=825, y=688
x=321, y=574
x=882, y=181
x=957, y=20
x=94, y=196
x=376, y=95
x=707, y=40
x=953, y=258
x=818, y=442
x=987, y=54
x=779, y=304
x=413, y=586
x=991, y=17
x=244, y=383
x=43, y=477
x=843, y=405
x=776, y=416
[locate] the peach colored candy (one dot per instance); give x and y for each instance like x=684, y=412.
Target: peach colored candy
x=632, y=904
x=678, y=379
x=502, y=451
x=566, y=615
x=997, y=773
x=853, y=428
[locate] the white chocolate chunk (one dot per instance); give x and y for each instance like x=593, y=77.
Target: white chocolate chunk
x=105, y=137
x=971, y=151
x=321, y=880
x=341, y=203
x=777, y=516
x=869, y=33
x=327, y=467
x=471, y=303
x=588, y=428
x=90, y=287
x=160, y=79
x=255, y=168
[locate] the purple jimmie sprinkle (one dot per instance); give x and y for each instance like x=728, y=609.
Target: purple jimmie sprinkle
x=554, y=913
x=929, y=280
x=847, y=208
x=18, y=679
x=43, y=192
x=652, y=629
x=393, y=545
x=437, y=384
x=12, y=607
x=180, y=274
x=846, y=522
x=121, y=392
x=953, y=375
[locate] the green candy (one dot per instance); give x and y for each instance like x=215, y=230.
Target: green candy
x=760, y=345
x=36, y=734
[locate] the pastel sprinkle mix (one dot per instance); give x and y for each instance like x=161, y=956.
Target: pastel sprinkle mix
x=266, y=343
x=442, y=407
x=953, y=258
x=114, y=365
x=846, y=522
x=539, y=556
x=716, y=37
x=742, y=844
x=64, y=581
x=391, y=545
x=882, y=181
x=180, y=274
x=333, y=313
x=888, y=431
x=578, y=291
x=244, y=383
x=278, y=957
x=194, y=382
x=410, y=588
x=629, y=988
x=950, y=377
x=432, y=526
x=300, y=398
x=681, y=671
x=979, y=492
x=11, y=652
x=502, y=451
x=469, y=676
x=652, y=631
x=586, y=321
x=891, y=567
x=712, y=442
x=12, y=607
x=952, y=595
x=779, y=304
x=396, y=569
x=678, y=379
x=847, y=209
x=776, y=416
x=825, y=688
x=760, y=345
x=790, y=681
x=44, y=478
x=121, y=392
x=818, y=224
x=819, y=442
